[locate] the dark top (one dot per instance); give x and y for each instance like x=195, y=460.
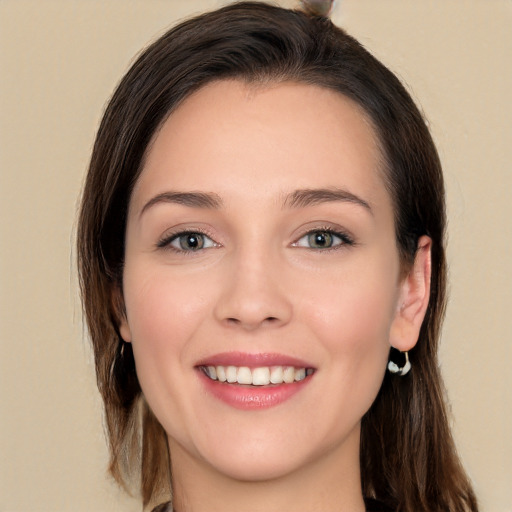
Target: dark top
x=371, y=506
x=375, y=506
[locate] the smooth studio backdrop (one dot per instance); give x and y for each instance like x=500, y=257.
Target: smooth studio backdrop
x=59, y=62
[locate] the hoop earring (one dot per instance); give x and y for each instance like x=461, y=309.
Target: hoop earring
x=400, y=370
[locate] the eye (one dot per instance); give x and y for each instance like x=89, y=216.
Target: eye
x=189, y=241
x=323, y=239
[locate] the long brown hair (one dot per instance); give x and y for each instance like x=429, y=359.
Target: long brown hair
x=408, y=458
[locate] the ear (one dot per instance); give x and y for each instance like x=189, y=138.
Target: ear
x=413, y=299
x=120, y=314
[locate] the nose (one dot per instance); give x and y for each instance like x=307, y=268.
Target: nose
x=254, y=293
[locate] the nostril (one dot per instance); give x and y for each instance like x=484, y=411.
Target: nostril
x=233, y=321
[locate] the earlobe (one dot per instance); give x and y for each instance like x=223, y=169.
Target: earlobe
x=413, y=299
x=120, y=314
x=124, y=329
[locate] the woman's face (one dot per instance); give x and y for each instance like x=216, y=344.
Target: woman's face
x=260, y=247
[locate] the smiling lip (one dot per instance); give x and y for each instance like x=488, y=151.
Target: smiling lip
x=252, y=360
x=246, y=396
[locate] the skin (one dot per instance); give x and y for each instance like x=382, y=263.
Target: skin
x=259, y=287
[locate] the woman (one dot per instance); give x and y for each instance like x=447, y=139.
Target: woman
x=261, y=236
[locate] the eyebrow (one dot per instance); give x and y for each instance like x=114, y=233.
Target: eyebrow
x=309, y=197
x=298, y=199
x=190, y=199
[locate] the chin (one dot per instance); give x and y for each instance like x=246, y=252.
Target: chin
x=264, y=455
x=259, y=468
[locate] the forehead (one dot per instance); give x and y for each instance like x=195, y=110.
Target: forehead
x=231, y=137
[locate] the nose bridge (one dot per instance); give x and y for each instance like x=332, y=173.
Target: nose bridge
x=254, y=293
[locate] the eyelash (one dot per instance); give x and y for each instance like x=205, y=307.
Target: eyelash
x=165, y=242
x=345, y=238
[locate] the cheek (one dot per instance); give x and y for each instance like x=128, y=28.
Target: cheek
x=357, y=318
x=351, y=317
x=355, y=332
x=354, y=309
x=163, y=313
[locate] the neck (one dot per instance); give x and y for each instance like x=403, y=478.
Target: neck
x=330, y=484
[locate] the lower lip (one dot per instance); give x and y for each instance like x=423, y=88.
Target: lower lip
x=252, y=397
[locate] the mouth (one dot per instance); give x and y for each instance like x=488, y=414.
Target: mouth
x=260, y=376
x=254, y=381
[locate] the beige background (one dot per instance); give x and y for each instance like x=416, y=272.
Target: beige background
x=59, y=61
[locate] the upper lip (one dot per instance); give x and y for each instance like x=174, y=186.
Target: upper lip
x=252, y=360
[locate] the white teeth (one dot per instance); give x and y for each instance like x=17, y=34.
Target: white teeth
x=244, y=375
x=300, y=374
x=276, y=374
x=221, y=374
x=211, y=372
x=262, y=376
x=289, y=374
x=231, y=373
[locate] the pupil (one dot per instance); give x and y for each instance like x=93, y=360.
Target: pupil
x=320, y=239
x=192, y=241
